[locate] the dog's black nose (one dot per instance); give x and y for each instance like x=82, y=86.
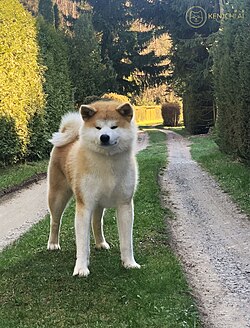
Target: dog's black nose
x=104, y=138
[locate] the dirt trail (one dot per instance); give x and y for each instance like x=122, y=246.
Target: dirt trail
x=25, y=207
x=211, y=237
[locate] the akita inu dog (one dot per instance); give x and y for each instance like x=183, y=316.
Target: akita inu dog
x=94, y=159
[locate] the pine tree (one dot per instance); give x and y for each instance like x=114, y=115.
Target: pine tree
x=46, y=9
x=124, y=46
x=89, y=75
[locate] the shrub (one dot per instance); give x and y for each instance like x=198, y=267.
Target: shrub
x=170, y=114
x=21, y=90
x=9, y=141
x=198, y=111
x=116, y=96
x=91, y=99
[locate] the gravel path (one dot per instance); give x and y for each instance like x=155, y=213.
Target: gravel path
x=211, y=237
x=23, y=208
x=20, y=210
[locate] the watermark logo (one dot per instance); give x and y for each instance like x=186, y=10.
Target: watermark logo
x=196, y=17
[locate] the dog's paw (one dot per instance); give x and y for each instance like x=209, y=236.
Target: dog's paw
x=53, y=247
x=103, y=245
x=81, y=271
x=131, y=265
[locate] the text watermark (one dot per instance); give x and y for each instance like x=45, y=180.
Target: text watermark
x=196, y=16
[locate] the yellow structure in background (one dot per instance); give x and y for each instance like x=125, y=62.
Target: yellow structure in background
x=148, y=115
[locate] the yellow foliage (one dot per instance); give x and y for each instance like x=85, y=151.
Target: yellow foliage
x=21, y=91
x=116, y=96
x=147, y=115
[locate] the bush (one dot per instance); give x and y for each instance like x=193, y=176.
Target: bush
x=170, y=113
x=116, y=96
x=21, y=90
x=198, y=112
x=9, y=141
x=91, y=99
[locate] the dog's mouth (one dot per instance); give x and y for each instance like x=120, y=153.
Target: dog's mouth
x=108, y=144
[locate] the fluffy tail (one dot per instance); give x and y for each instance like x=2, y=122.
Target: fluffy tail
x=68, y=131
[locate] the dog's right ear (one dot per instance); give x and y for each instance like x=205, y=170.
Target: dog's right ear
x=87, y=112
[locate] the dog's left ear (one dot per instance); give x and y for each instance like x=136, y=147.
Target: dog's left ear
x=87, y=112
x=126, y=110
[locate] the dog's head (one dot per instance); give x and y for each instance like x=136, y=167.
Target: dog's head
x=109, y=127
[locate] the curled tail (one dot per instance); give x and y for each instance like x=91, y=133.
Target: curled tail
x=68, y=131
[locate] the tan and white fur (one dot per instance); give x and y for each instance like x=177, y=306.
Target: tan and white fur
x=94, y=159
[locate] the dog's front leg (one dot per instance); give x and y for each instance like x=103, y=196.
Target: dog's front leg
x=82, y=231
x=125, y=218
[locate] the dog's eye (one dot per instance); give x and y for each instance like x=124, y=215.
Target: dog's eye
x=98, y=127
x=114, y=127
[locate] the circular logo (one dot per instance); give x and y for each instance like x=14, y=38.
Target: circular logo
x=196, y=17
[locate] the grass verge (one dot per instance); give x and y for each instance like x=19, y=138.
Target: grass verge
x=16, y=175
x=233, y=176
x=38, y=290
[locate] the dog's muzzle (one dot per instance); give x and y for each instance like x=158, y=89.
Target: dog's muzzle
x=105, y=139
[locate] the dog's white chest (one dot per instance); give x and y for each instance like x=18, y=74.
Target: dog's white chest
x=109, y=187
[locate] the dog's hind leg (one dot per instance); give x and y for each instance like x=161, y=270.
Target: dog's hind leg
x=97, y=227
x=58, y=196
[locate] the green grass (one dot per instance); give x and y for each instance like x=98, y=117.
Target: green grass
x=38, y=290
x=15, y=175
x=233, y=176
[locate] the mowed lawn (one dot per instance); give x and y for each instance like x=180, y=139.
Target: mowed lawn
x=37, y=288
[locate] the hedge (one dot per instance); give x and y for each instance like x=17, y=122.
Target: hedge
x=231, y=70
x=57, y=87
x=21, y=79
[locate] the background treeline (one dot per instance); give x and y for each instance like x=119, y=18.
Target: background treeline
x=210, y=67
x=60, y=58
x=74, y=51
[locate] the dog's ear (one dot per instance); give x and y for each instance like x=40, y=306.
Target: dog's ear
x=126, y=110
x=87, y=112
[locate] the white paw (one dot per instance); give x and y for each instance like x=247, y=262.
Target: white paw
x=131, y=265
x=103, y=245
x=53, y=247
x=81, y=271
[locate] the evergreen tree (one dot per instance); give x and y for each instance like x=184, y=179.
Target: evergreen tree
x=46, y=9
x=57, y=87
x=231, y=71
x=89, y=75
x=56, y=15
x=124, y=47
